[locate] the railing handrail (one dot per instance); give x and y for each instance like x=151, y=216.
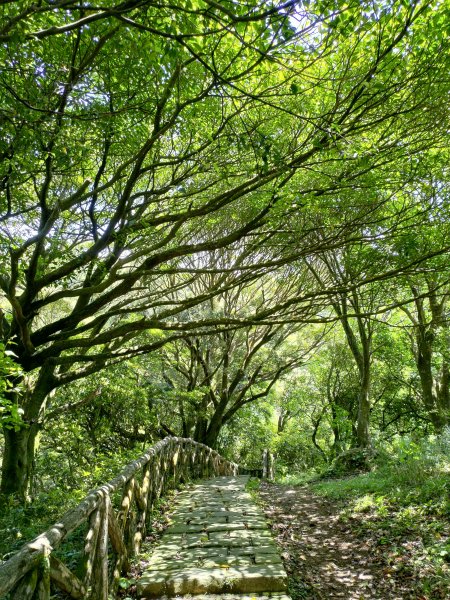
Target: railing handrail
x=31, y=554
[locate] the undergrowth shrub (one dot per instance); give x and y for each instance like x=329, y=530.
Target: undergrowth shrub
x=405, y=470
x=59, y=486
x=354, y=460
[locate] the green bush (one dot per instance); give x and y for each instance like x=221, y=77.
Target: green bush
x=406, y=471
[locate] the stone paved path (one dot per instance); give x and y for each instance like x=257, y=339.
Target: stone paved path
x=218, y=546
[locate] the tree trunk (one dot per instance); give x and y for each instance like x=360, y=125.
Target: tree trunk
x=212, y=433
x=215, y=423
x=18, y=461
x=200, y=430
x=361, y=354
x=424, y=361
x=20, y=444
x=316, y=424
x=443, y=395
x=362, y=427
x=336, y=448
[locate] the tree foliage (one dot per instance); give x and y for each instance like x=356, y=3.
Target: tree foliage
x=143, y=142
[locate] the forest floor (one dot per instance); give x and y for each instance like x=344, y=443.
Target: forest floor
x=331, y=552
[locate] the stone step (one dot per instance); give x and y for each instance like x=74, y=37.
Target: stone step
x=205, y=554
x=224, y=580
x=264, y=596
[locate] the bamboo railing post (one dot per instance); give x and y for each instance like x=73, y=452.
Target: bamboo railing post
x=159, y=477
x=127, y=515
x=121, y=554
x=43, y=586
x=208, y=462
x=216, y=468
x=99, y=578
x=202, y=463
x=141, y=518
x=181, y=462
x=198, y=462
x=193, y=462
x=174, y=461
x=169, y=466
x=91, y=545
x=164, y=469
x=151, y=491
x=187, y=461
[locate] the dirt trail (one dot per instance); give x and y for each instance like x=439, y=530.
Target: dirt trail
x=323, y=556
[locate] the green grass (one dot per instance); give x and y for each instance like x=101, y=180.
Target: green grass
x=297, y=478
x=433, y=490
x=410, y=482
x=403, y=507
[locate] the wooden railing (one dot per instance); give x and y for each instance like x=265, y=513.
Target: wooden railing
x=115, y=517
x=268, y=468
x=265, y=471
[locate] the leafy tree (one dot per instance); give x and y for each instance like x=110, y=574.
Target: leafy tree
x=430, y=345
x=113, y=408
x=222, y=372
x=396, y=405
x=349, y=308
x=248, y=433
x=101, y=188
x=112, y=175
x=423, y=295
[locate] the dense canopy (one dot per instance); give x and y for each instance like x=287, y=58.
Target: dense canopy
x=215, y=216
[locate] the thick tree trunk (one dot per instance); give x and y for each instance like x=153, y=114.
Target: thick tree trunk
x=18, y=461
x=200, y=430
x=215, y=424
x=361, y=353
x=201, y=423
x=20, y=444
x=434, y=386
x=212, y=434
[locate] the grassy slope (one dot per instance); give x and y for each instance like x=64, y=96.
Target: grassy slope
x=403, y=507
